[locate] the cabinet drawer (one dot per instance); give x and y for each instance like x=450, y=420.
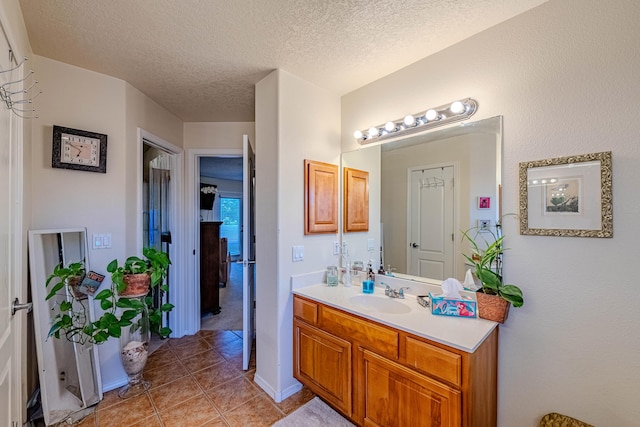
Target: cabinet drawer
x=434, y=361
x=305, y=310
x=368, y=334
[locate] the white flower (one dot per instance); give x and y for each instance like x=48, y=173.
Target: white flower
x=212, y=189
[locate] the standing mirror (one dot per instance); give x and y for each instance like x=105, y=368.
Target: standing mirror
x=69, y=372
x=425, y=191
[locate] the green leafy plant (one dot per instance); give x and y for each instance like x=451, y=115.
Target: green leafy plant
x=72, y=318
x=156, y=264
x=487, y=261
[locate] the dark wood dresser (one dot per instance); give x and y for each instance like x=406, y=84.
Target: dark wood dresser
x=210, y=267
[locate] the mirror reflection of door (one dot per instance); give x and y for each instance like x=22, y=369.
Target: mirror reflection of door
x=157, y=209
x=431, y=233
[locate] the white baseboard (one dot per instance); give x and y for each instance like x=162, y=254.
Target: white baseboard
x=277, y=396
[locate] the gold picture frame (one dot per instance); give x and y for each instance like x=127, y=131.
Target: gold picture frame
x=567, y=196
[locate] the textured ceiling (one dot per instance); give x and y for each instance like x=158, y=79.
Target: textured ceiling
x=200, y=59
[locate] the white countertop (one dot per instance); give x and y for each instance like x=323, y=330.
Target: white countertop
x=462, y=333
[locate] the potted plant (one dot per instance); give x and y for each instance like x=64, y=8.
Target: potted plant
x=494, y=297
x=72, y=319
x=134, y=278
x=131, y=283
x=128, y=310
x=70, y=275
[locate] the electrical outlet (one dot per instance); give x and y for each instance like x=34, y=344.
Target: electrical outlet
x=344, y=247
x=484, y=224
x=336, y=248
x=371, y=245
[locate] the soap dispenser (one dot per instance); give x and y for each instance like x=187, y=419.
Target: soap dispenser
x=368, y=285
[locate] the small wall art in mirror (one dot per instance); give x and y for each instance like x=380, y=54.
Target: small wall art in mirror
x=356, y=200
x=567, y=196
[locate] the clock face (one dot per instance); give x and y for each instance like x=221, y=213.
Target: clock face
x=79, y=150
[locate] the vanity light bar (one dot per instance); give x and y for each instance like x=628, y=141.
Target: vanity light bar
x=433, y=117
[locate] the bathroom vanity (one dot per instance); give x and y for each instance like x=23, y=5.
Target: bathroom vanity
x=390, y=362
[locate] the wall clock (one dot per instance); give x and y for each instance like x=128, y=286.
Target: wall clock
x=79, y=150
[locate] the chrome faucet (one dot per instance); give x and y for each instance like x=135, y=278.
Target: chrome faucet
x=394, y=293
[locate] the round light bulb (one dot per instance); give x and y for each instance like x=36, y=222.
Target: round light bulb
x=457, y=107
x=409, y=120
x=357, y=134
x=373, y=132
x=390, y=126
x=431, y=115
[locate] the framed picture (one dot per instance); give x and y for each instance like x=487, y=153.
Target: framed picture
x=79, y=150
x=484, y=202
x=567, y=196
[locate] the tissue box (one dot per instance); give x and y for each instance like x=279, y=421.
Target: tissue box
x=453, y=307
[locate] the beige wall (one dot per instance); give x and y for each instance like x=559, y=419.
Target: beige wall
x=295, y=120
x=561, y=75
x=104, y=203
x=217, y=134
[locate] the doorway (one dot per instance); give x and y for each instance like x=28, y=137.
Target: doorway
x=221, y=178
x=160, y=172
x=245, y=157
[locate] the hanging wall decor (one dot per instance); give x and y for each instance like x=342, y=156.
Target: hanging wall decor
x=567, y=196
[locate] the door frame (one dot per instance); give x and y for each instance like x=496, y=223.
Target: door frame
x=191, y=316
x=177, y=296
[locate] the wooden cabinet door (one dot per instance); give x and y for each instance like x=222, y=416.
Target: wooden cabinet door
x=356, y=200
x=320, y=197
x=323, y=363
x=396, y=396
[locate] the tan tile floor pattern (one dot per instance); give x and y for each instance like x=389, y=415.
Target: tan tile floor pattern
x=197, y=381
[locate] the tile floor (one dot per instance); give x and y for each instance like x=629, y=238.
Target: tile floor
x=196, y=381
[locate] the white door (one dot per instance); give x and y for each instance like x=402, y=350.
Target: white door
x=431, y=223
x=248, y=250
x=11, y=326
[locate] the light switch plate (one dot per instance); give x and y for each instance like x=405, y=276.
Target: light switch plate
x=336, y=248
x=371, y=245
x=298, y=253
x=101, y=241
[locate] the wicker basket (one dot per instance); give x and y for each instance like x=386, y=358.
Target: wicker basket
x=492, y=307
x=558, y=420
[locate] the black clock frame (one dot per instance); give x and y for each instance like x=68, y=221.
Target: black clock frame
x=56, y=155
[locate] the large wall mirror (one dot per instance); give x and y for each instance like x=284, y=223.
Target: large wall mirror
x=69, y=373
x=425, y=191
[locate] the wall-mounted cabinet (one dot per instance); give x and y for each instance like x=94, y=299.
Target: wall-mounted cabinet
x=320, y=197
x=356, y=200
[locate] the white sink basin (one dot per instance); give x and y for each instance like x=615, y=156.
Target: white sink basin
x=380, y=304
